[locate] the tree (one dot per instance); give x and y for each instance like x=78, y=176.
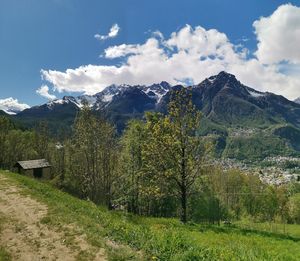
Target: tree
x=42, y=139
x=131, y=158
x=94, y=156
x=110, y=161
x=174, y=152
x=19, y=146
x=5, y=127
x=294, y=208
x=270, y=204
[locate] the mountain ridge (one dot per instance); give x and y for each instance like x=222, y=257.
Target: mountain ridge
x=226, y=104
x=221, y=98
x=241, y=122
x=224, y=82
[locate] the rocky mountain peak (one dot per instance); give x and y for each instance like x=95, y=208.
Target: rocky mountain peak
x=165, y=85
x=297, y=100
x=222, y=82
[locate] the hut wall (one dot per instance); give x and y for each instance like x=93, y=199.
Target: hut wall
x=46, y=173
x=28, y=172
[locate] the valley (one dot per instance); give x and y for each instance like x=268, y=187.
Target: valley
x=149, y=130
x=220, y=156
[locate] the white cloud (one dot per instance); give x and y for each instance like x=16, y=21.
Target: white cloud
x=121, y=50
x=12, y=106
x=114, y=30
x=279, y=35
x=190, y=53
x=44, y=92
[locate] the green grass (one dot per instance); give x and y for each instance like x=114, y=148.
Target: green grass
x=4, y=255
x=289, y=230
x=157, y=238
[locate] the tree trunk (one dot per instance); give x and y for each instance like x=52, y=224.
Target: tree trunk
x=183, y=217
x=183, y=188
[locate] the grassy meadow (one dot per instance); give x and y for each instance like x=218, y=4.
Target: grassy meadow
x=129, y=237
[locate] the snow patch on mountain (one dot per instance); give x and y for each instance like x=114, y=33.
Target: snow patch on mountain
x=211, y=79
x=12, y=106
x=255, y=93
x=297, y=100
x=156, y=91
x=78, y=101
x=10, y=112
x=103, y=98
x=109, y=92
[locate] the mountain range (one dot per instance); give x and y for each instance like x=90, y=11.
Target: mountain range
x=234, y=115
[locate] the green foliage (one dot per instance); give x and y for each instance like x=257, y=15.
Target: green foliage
x=209, y=127
x=159, y=239
x=4, y=256
x=42, y=139
x=93, y=157
x=206, y=207
x=131, y=158
x=290, y=133
x=176, y=147
x=15, y=144
x=255, y=147
x=294, y=208
x=159, y=168
x=272, y=140
x=163, y=157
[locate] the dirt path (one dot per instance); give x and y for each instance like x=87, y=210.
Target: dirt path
x=26, y=238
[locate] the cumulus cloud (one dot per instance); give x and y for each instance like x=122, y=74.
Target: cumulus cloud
x=192, y=53
x=44, y=92
x=279, y=36
x=121, y=50
x=173, y=59
x=114, y=30
x=12, y=106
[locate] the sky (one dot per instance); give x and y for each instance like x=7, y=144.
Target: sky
x=52, y=48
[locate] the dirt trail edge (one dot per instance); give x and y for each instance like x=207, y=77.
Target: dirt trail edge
x=26, y=238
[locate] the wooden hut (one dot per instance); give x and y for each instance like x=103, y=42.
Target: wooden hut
x=34, y=168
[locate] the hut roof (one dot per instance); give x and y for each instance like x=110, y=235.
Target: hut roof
x=33, y=164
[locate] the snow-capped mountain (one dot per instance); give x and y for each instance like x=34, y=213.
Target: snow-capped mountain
x=78, y=101
x=10, y=111
x=225, y=100
x=105, y=97
x=221, y=98
x=156, y=91
x=11, y=106
x=297, y=100
x=109, y=92
x=116, y=100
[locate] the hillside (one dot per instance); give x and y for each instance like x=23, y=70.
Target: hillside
x=2, y=113
x=57, y=223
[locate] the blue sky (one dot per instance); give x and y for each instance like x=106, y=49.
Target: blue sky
x=58, y=35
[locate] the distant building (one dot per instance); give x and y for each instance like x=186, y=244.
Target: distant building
x=34, y=168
